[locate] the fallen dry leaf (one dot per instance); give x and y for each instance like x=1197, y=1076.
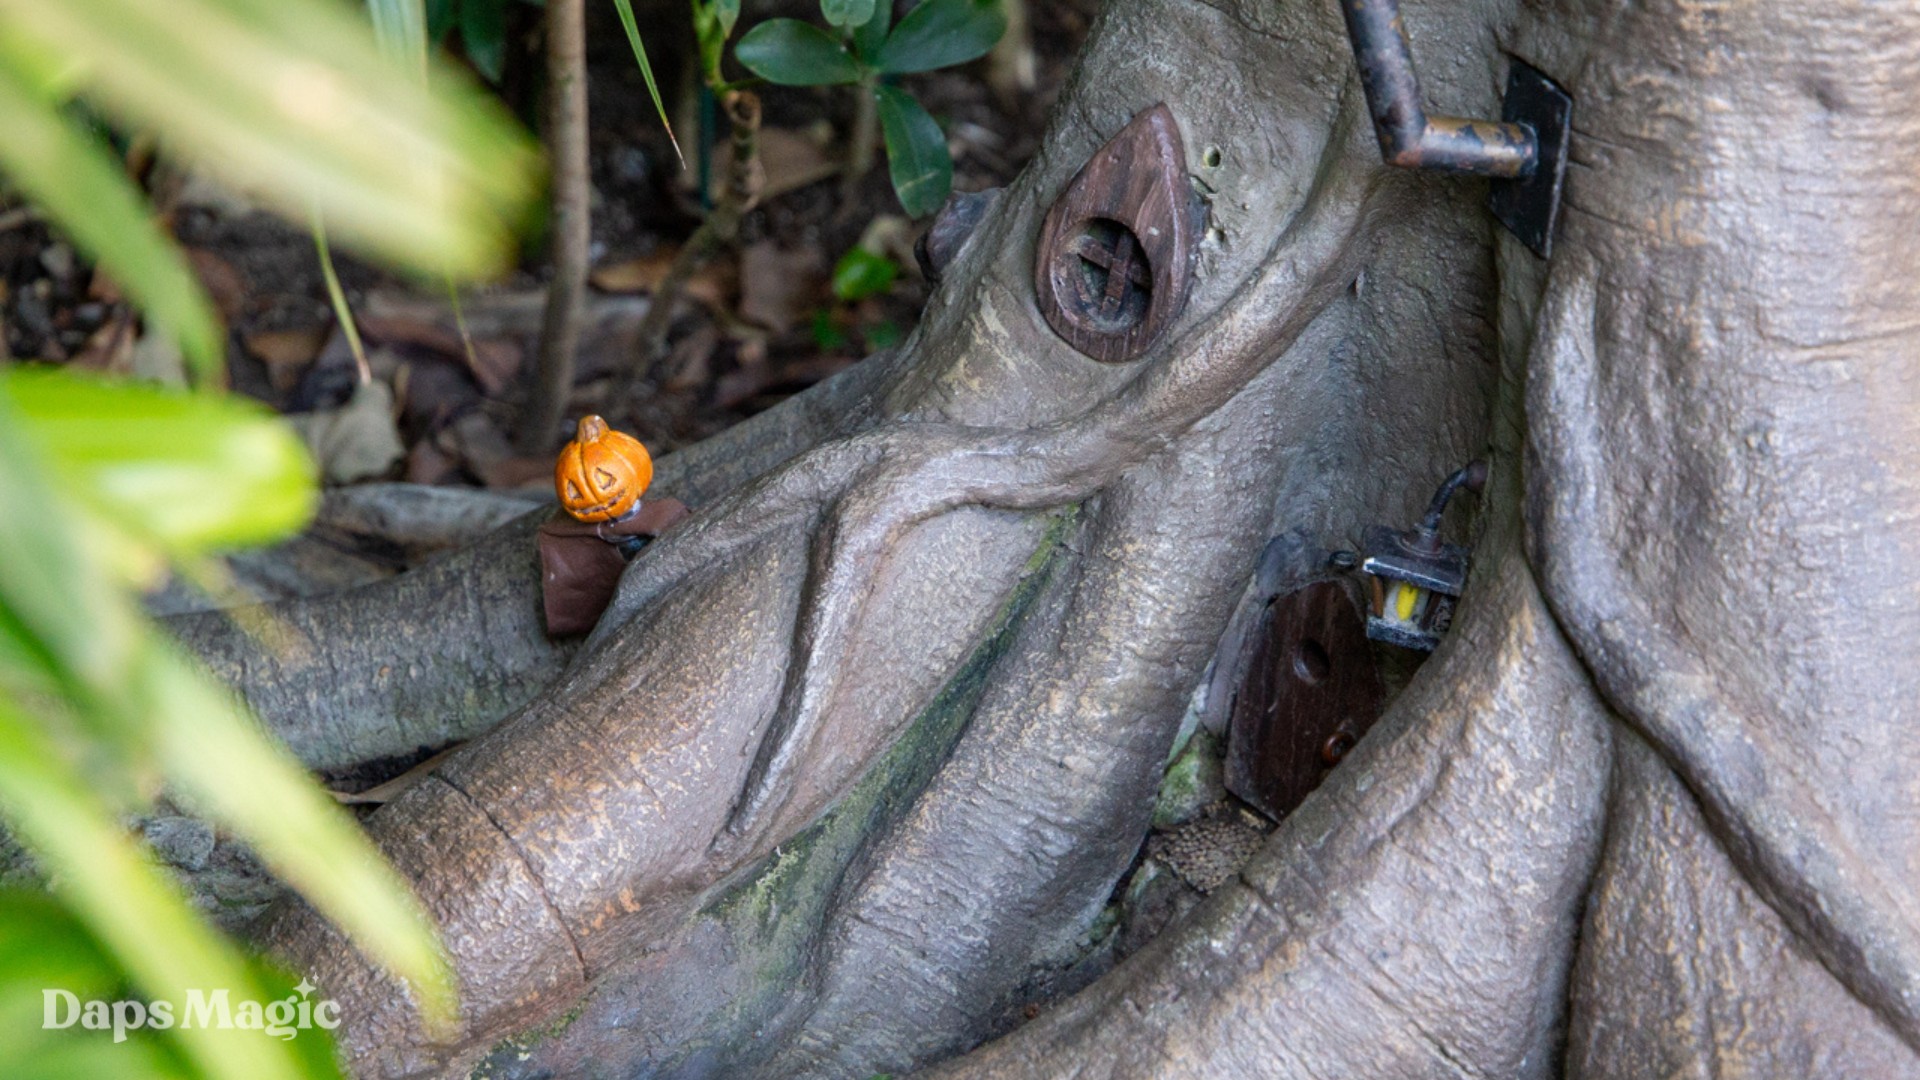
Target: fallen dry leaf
x=710, y=285
x=478, y=442
x=286, y=353
x=779, y=286
x=156, y=358
x=739, y=387
x=357, y=441
x=428, y=464
x=788, y=160
x=690, y=363
x=222, y=282
x=434, y=394
x=521, y=473
x=493, y=363
x=608, y=337
x=109, y=348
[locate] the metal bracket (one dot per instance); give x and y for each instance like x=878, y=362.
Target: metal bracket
x=1529, y=206
x=1525, y=153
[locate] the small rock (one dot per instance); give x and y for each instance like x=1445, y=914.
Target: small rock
x=57, y=260
x=182, y=841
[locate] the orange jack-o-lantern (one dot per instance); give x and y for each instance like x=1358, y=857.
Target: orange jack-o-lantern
x=602, y=473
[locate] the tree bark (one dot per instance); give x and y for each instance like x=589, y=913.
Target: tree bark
x=849, y=771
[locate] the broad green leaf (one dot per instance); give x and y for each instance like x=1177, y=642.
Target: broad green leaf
x=869, y=36
x=204, y=746
x=917, y=157
x=43, y=947
x=293, y=103
x=846, y=12
x=53, y=76
x=792, y=53
x=632, y=28
x=942, y=33
x=400, y=28
x=74, y=178
x=227, y=769
x=440, y=18
x=190, y=473
x=127, y=901
x=861, y=273
x=52, y=601
x=483, y=34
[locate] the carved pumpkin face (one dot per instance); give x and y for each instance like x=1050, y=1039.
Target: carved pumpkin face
x=602, y=473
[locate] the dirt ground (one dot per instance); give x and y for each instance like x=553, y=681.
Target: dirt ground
x=759, y=324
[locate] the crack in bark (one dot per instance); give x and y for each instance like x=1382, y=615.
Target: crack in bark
x=546, y=896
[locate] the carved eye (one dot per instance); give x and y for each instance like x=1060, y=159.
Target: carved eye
x=602, y=473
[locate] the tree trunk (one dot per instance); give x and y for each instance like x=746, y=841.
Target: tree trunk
x=572, y=224
x=848, y=773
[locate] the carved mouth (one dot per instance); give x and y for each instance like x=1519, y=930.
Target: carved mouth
x=604, y=511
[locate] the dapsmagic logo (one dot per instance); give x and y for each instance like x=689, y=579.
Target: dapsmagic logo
x=216, y=1009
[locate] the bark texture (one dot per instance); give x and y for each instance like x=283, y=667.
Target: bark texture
x=848, y=773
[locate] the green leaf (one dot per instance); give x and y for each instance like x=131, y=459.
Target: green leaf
x=83, y=187
x=225, y=767
x=727, y=13
x=792, y=53
x=846, y=12
x=57, y=606
x=190, y=473
x=51, y=76
x=440, y=16
x=884, y=334
x=632, y=28
x=293, y=103
x=120, y=678
x=827, y=335
x=400, y=28
x=917, y=157
x=861, y=273
x=942, y=33
x=483, y=34
x=126, y=900
x=871, y=34
x=42, y=947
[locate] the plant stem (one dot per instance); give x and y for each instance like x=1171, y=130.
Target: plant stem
x=342, y=313
x=572, y=195
x=719, y=231
x=1013, y=69
x=863, y=144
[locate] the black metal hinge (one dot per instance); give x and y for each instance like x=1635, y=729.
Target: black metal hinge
x=1525, y=152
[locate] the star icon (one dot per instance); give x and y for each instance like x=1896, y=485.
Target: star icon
x=305, y=988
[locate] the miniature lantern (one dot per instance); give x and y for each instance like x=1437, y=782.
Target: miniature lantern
x=1416, y=577
x=602, y=473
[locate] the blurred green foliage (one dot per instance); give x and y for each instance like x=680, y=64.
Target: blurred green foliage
x=104, y=486
x=482, y=27
x=861, y=273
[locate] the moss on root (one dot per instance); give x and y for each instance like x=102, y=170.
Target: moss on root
x=769, y=919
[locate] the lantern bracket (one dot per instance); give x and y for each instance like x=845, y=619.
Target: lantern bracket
x=1525, y=152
